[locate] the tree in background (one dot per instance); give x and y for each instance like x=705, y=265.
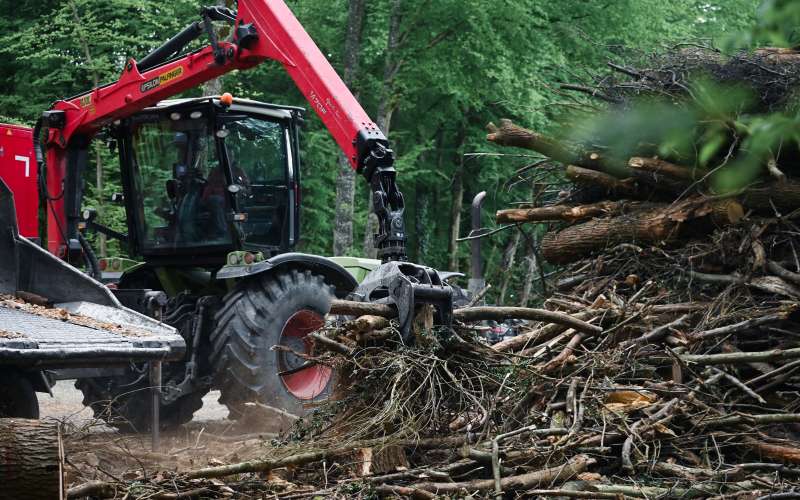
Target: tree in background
x=345, y=180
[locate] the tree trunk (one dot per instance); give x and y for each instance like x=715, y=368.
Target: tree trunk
x=455, y=215
x=533, y=273
x=101, y=238
x=214, y=86
x=509, y=256
x=345, y=180
x=31, y=459
x=386, y=107
x=421, y=222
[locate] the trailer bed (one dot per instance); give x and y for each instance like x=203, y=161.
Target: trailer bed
x=38, y=339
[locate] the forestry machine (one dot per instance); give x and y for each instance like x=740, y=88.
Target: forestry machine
x=211, y=192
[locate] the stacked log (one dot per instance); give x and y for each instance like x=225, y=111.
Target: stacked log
x=31, y=459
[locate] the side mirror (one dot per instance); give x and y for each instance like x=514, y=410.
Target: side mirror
x=172, y=189
x=235, y=188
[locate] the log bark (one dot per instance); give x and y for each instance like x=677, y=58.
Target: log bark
x=615, y=188
x=263, y=465
x=351, y=308
x=784, y=196
x=541, y=335
x=658, y=225
x=741, y=357
x=659, y=166
x=31, y=459
x=509, y=134
x=790, y=454
x=473, y=314
x=575, y=466
x=561, y=212
x=503, y=313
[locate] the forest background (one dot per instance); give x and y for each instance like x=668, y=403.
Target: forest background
x=432, y=73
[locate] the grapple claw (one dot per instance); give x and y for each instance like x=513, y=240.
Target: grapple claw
x=408, y=286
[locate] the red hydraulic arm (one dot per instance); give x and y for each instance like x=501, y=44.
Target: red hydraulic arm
x=263, y=30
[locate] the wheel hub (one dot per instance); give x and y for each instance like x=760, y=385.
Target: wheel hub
x=309, y=382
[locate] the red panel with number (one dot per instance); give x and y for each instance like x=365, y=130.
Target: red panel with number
x=18, y=170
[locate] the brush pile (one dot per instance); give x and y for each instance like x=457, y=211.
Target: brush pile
x=665, y=362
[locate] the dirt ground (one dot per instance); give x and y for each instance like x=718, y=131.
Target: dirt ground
x=66, y=404
x=94, y=451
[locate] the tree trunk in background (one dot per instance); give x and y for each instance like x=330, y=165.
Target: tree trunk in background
x=455, y=216
x=101, y=238
x=214, y=86
x=458, y=201
x=386, y=107
x=509, y=256
x=345, y=180
x=533, y=273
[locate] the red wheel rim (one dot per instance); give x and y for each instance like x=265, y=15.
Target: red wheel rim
x=306, y=383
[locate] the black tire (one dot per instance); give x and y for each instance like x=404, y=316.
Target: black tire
x=250, y=322
x=125, y=402
x=17, y=396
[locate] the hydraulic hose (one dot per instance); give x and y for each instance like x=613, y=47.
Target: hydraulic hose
x=92, y=265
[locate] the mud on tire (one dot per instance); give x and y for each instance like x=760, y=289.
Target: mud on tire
x=258, y=314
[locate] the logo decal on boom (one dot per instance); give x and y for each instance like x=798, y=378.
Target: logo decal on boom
x=161, y=79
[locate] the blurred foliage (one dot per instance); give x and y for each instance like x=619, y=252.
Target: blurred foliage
x=463, y=64
x=777, y=25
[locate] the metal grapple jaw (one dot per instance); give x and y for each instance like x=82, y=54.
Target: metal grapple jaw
x=408, y=287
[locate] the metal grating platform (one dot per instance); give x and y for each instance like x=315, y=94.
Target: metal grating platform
x=44, y=341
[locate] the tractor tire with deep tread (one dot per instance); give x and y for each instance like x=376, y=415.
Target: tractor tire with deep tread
x=255, y=317
x=17, y=396
x=125, y=402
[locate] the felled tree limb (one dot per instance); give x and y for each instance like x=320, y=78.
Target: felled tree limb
x=784, y=196
x=660, y=332
x=473, y=314
x=366, y=324
x=99, y=489
x=509, y=134
x=776, y=418
x=742, y=326
x=741, y=357
x=264, y=465
x=543, y=334
x=560, y=213
x=659, y=166
x=789, y=454
x=330, y=344
x=352, y=308
x=573, y=467
x=625, y=188
x=503, y=313
x=403, y=491
x=782, y=272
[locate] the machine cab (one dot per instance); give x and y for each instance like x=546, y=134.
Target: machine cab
x=203, y=179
